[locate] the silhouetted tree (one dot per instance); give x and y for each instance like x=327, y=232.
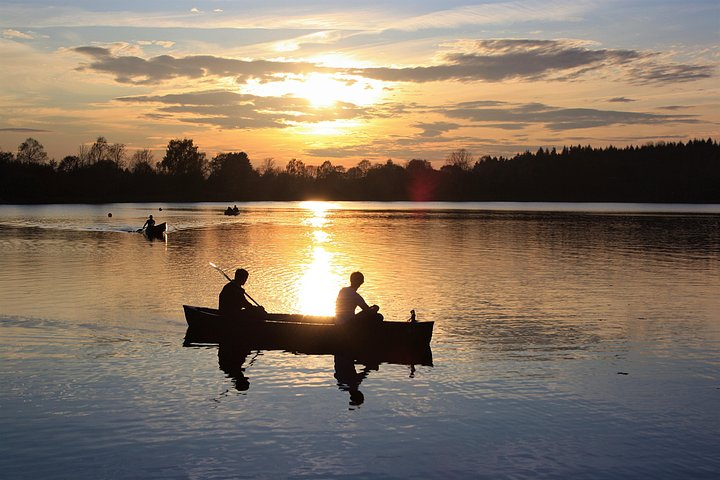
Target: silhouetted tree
x=268, y=167
x=423, y=181
x=231, y=176
x=185, y=168
x=69, y=163
x=142, y=162
x=655, y=172
x=296, y=168
x=31, y=151
x=182, y=158
x=461, y=159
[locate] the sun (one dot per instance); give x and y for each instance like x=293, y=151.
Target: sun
x=323, y=90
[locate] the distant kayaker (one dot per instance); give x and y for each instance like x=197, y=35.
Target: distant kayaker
x=234, y=302
x=149, y=223
x=349, y=299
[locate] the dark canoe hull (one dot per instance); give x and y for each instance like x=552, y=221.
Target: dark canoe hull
x=312, y=335
x=156, y=231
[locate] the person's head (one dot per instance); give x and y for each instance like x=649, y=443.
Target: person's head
x=356, y=279
x=150, y=217
x=241, y=276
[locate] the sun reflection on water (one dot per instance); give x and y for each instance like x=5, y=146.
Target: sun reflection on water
x=319, y=285
x=320, y=280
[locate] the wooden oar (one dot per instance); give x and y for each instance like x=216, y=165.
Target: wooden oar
x=231, y=280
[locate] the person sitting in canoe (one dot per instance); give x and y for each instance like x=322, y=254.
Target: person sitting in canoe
x=349, y=299
x=149, y=223
x=233, y=301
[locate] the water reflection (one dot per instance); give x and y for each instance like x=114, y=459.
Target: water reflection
x=234, y=358
x=349, y=379
x=231, y=360
x=320, y=278
x=317, y=284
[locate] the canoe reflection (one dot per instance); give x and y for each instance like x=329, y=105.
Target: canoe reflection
x=235, y=357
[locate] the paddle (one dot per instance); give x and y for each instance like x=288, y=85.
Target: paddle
x=231, y=280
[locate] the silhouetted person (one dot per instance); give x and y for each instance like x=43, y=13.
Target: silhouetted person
x=149, y=223
x=235, y=209
x=233, y=301
x=348, y=300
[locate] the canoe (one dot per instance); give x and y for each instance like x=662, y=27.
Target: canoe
x=305, y=333
x=156, y=231
x=232, y=212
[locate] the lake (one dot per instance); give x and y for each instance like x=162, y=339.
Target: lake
x=571, y=341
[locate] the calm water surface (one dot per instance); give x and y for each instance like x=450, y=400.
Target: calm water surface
x=571, y=341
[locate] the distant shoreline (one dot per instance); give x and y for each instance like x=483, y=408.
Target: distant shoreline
x=666, y=173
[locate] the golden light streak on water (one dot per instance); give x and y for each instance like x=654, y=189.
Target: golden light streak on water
x=320, y=281
x=319, y=284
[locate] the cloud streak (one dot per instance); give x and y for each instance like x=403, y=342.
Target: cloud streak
x=482, y=61
x=510, y=116
x=534, y=60
x=228, y=110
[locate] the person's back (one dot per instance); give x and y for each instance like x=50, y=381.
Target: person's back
x=150, y=222
x=233, y=301
x=349, y=299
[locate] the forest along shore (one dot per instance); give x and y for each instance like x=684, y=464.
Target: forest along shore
x=653, y=173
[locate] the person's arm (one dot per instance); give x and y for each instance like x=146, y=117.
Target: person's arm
x=362, y=303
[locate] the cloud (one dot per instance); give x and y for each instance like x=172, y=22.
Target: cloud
x=493, y=13
x=621, y=100
x=531, y=60
x=482, y=60
x=554, y=118
x=652, y=72
x=436, y=129
x=230, y=110
x=139, y=71
x=316, y=38
x=11, y=33
x=23, y=130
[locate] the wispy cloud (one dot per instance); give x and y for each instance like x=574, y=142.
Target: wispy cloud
x=11, y=33
x=436, y=129
x=487, y=13
x=497, y=60
x=23, y=130
x=555, y=118
x=229, y=110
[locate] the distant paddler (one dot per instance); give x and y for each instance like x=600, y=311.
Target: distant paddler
x=149, y=224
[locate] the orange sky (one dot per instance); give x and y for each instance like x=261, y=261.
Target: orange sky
x=320, y=81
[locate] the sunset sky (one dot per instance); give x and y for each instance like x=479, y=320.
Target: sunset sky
x=345, y=81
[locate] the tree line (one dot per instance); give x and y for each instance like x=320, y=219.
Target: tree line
x=673, y=172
